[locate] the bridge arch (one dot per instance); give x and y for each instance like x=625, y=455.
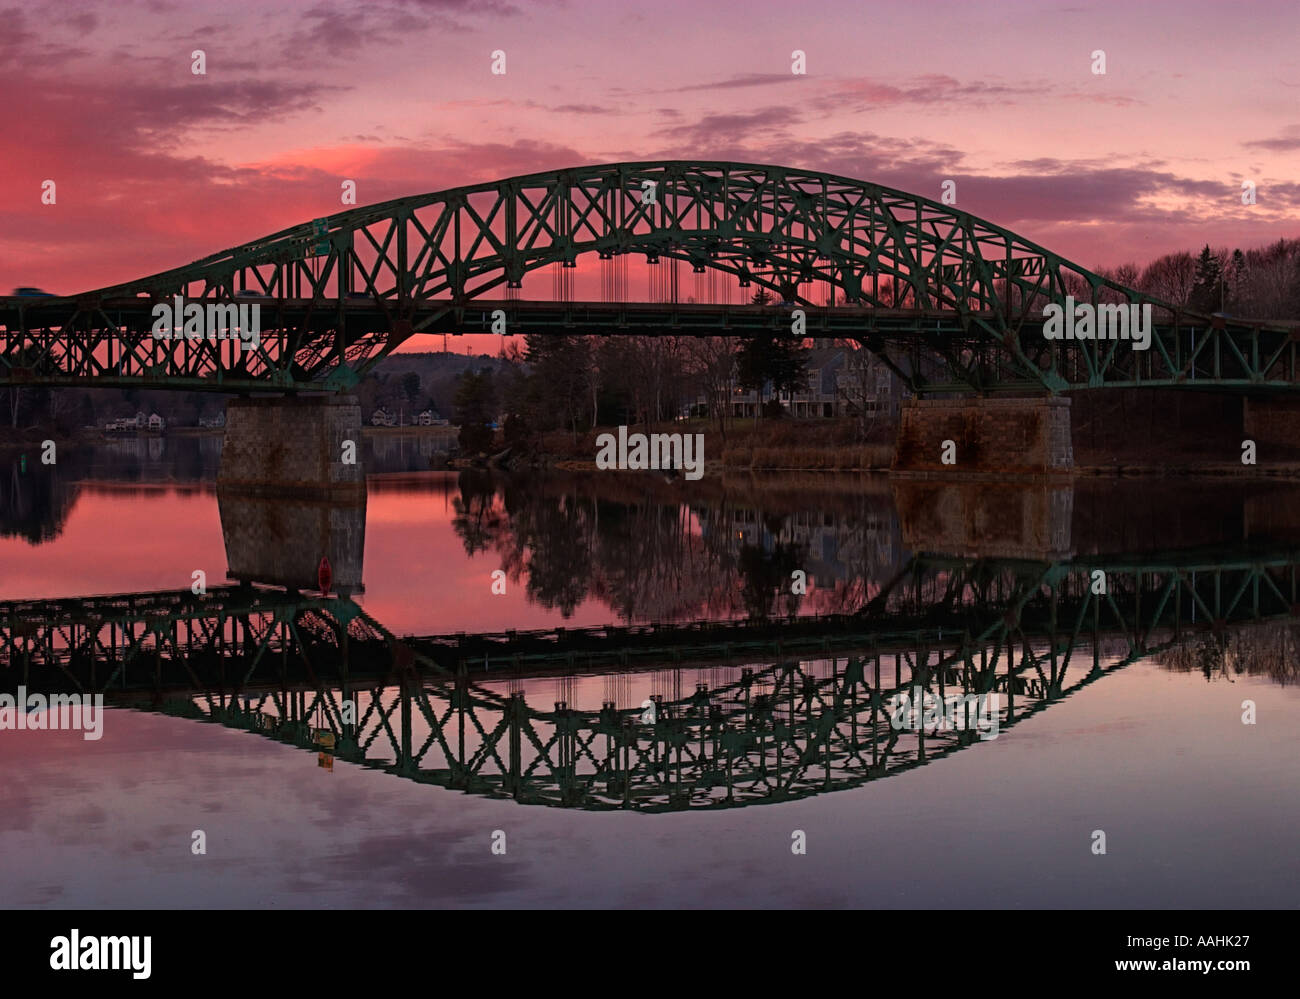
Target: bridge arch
x=951, y=301
x=770, y=226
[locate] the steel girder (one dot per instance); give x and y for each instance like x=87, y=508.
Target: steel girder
x=952, y=302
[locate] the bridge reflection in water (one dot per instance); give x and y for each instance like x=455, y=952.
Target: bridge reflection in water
x=746, y=712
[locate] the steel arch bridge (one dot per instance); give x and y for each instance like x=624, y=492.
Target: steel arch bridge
x=950, y=302
x=785, y=717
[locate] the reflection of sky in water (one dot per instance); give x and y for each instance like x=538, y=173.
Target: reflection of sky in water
x=417, y=575
x=1198, y=810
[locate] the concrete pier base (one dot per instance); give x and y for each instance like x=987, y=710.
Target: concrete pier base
x=991, y=439
x=987, y=519
x=280, y=542
x=288, y=497
x=293, y=447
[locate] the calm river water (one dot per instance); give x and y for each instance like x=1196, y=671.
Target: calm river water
x=1197, y=807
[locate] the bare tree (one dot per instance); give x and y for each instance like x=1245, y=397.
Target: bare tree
x=863, y=385
x=712, y=361
x=1170, y=277
x=1269, y=286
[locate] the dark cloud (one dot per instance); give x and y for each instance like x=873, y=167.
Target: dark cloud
x=729, y=129
x=21, y=46
x=342, y=29
x=1047, y=200
x=338, y=30
x=1286, y=142
x=210, y=101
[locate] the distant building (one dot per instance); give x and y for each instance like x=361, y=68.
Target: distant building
x=131, y=423
x=157, y=423
x=383, y=418
x=841, y=382
x=837, y=548
x=821, y=399
x=430, y=418
x=213, y=422
x=869, y=389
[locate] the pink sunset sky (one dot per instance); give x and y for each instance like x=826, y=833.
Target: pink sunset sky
x=156, y=166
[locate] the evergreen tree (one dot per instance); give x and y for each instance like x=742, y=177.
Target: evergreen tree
x=1236, y=280
x=475, y=408
x=1207, y=287
x=771, y=358
x=560, y=372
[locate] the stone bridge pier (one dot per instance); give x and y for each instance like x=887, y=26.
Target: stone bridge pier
x=989, y=439
x=292, y=490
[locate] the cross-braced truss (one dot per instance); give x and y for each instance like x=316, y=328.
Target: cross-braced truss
x=949, y=301
x=786, y=715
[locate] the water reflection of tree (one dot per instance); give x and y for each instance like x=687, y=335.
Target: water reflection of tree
x=479, y=518
x=35, y=503
x=654, y=563
x=646, y=559
x=767, y=578
x=550, y=542
x=1266, y=649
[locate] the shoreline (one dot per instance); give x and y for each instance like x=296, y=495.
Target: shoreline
x=753, y=453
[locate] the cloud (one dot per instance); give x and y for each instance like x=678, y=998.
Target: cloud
x=165, y=208
x=864, y=93
x=342, y=29
x=713, y=130
x=859, y=155
x=742, y=80
x=583, y=109
x=21, y=46
x=1081, y=208
x=930, y=88
x=1288, y=141
x=496, y=8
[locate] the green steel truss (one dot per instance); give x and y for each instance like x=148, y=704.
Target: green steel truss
x=787, y=709
x=951, y=302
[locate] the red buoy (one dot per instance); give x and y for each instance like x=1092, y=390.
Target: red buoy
x=324, y=575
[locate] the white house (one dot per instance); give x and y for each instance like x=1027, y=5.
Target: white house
x=382, y=418
x=841, y=382
x=157, y=423
x=820, y=398
x=128, y=423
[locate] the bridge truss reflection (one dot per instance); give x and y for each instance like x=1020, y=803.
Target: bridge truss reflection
x=745, y=712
